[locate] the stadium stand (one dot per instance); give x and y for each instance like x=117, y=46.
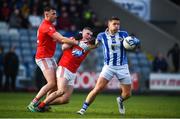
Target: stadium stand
x=18, y=27
x=138, y=63
x=80, y=14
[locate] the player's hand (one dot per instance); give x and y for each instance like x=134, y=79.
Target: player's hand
x=77, y=53
x=83, y=45
x=134, y=41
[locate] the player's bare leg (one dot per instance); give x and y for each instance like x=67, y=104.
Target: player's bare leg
x=126, y=91
x=62, y=87
x=47, y=107
x=100, y=85
x=125, y=94
x=51, y=91
x=50, y=77
x=64, y=99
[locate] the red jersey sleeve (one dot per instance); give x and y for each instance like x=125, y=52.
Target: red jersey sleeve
x=51, y=30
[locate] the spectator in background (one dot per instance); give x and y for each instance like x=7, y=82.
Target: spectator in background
x=5, y=12
x=11, y=67
x=63, y=22
x=15, y=19
x=72, y=31
x=1, y=67
x=24, y=21
x=72, y=9
x=25, y=8
x=39, y=78
x=65, y=1
x=159, y=63
x=175, y=56
x=80, y=5
x=34, y=19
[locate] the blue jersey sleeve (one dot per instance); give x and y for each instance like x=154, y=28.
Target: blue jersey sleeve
x=123, y=34
x=99, y=37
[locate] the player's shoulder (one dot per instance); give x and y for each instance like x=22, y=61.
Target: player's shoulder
x=123, y=33
x=100, y=36
x=44, y=27
x=101, y=33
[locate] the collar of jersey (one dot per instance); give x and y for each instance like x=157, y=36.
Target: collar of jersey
x=107, y=33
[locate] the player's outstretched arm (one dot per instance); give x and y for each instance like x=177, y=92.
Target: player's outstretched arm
x=93, y=46
x=58, y=37
x=79, y=53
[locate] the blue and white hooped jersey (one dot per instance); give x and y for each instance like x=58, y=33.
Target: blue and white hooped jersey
x=114, y=52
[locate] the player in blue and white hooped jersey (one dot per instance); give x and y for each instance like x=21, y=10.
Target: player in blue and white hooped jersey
x=114, y=52
x=115, y=64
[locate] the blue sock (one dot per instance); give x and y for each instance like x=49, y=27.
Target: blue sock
x=85, y=106
x=121, y=98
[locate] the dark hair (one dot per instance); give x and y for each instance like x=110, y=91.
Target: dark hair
x=114, y=18
x=88, y=28
x=48, y=8
x=79, y=35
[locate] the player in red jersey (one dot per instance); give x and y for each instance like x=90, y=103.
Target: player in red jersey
x=66, y=72
x=47, y=36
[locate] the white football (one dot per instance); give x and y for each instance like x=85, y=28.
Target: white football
x=128, y=43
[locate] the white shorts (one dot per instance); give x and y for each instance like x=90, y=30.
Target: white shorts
x=121, y=72
x=46, y=63
x=63, y=72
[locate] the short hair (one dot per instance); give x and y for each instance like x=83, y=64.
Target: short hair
x=48, y=8
x=114, y=18
x=88, y=28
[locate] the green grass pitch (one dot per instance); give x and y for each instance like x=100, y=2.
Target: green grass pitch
x=13, y=105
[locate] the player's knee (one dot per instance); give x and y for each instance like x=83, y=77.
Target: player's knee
x=66, y=100
x=63, y=101
x=59, y=92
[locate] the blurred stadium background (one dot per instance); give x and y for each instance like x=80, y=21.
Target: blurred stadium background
x=155, y=22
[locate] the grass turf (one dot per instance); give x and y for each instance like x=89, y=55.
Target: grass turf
x=13, y=105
